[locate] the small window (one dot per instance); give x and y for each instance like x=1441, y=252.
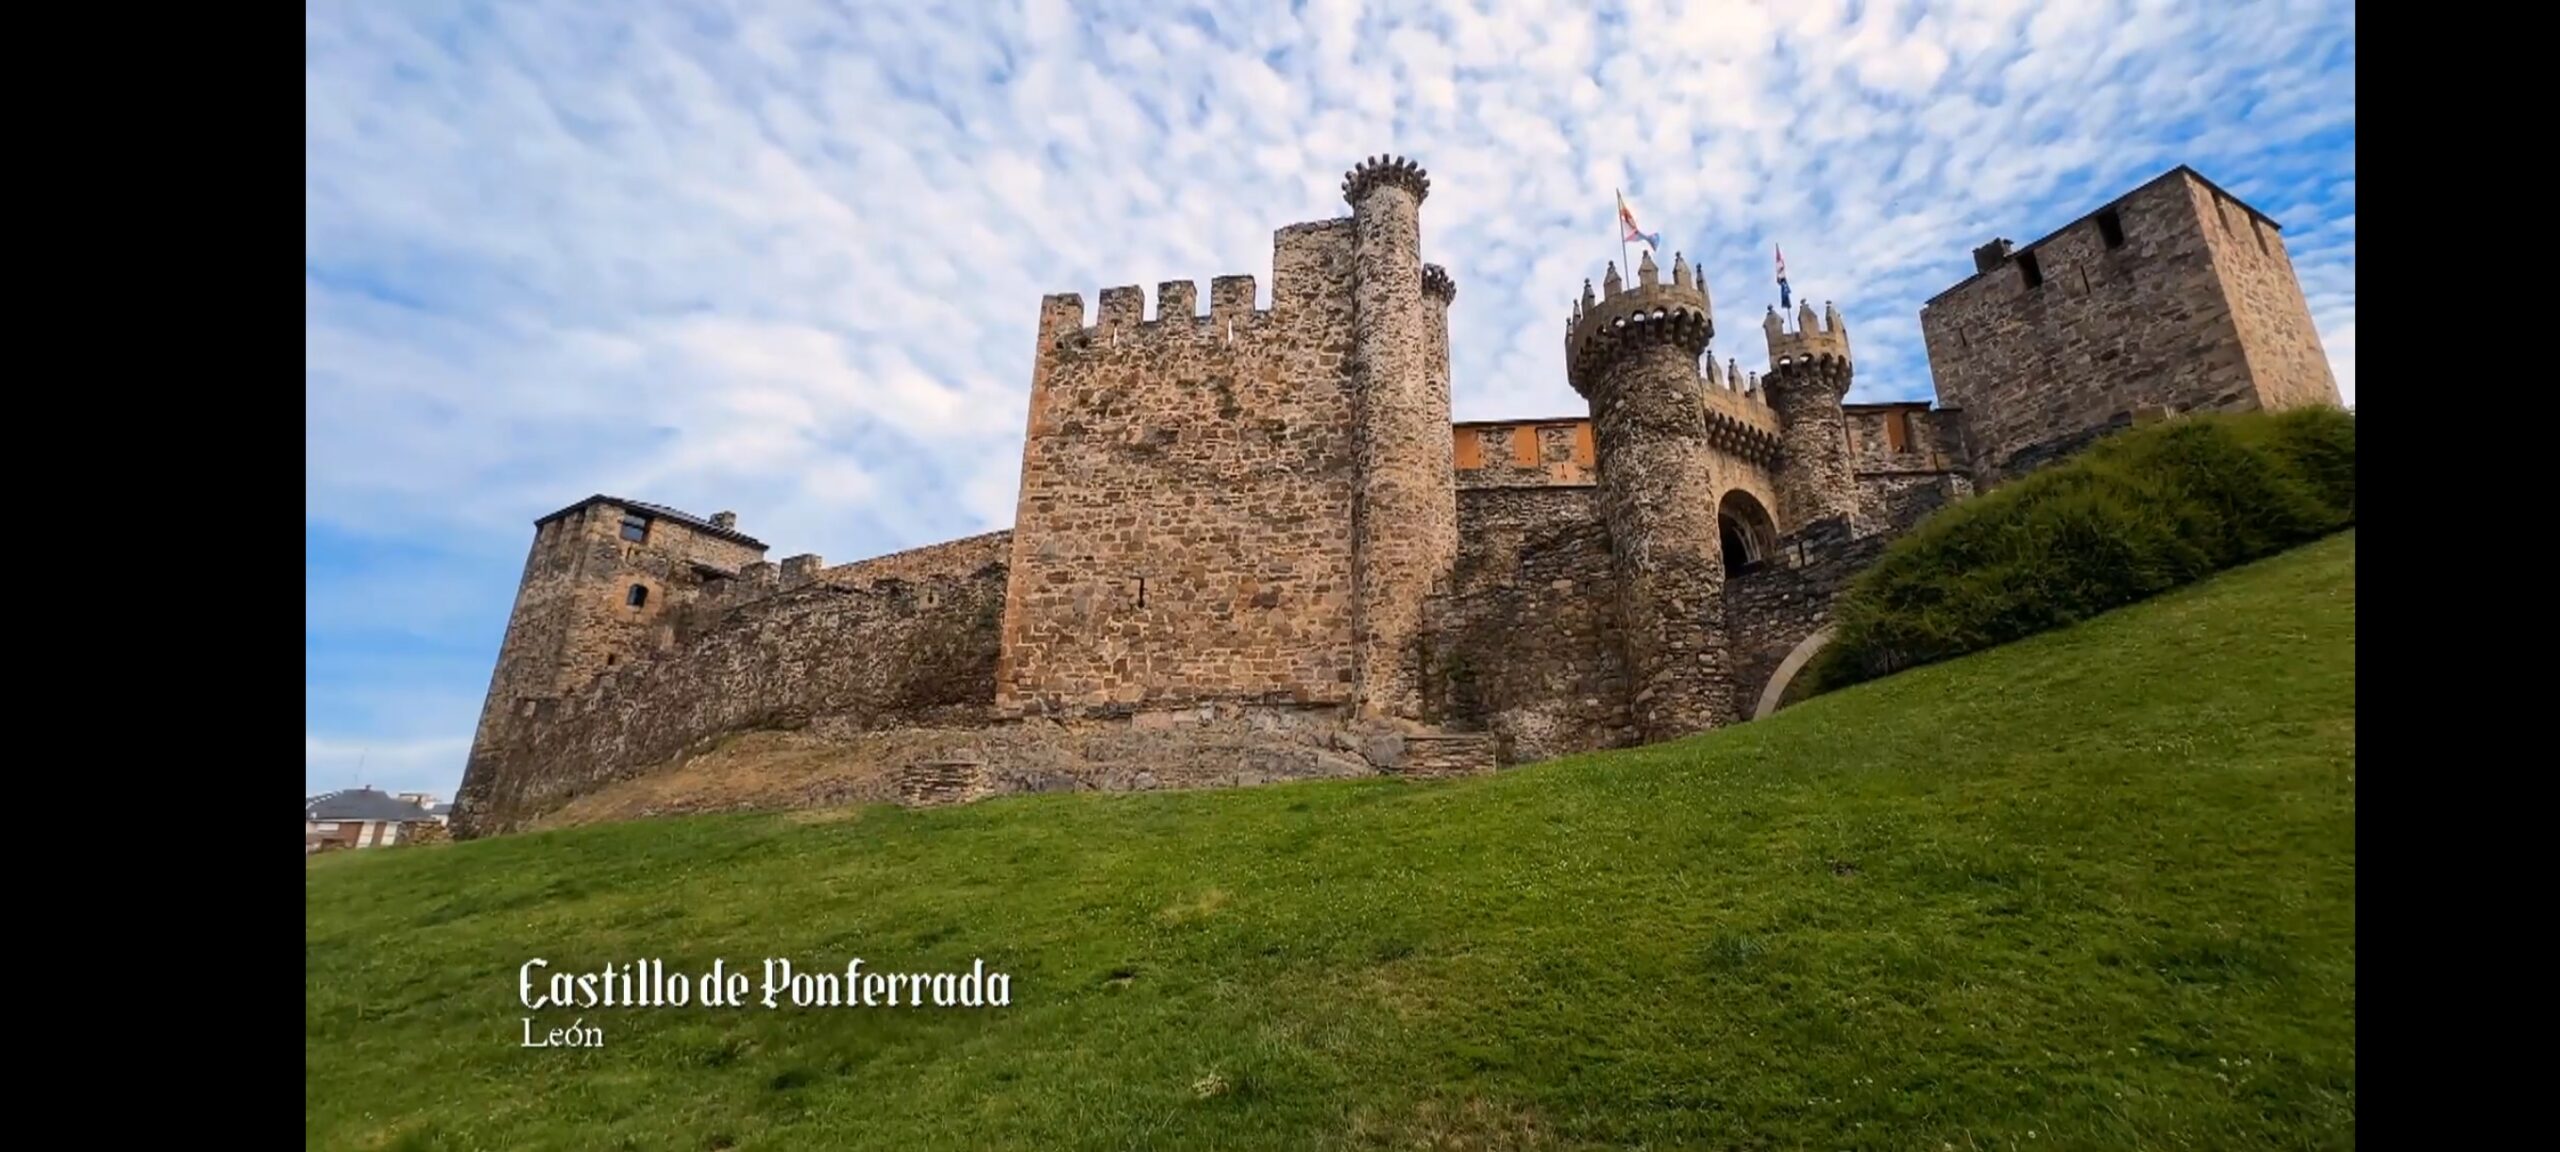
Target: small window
x=636, y=530
x=609, y=659
x=2111, y=228
x=638, y=597
x=2030, y=271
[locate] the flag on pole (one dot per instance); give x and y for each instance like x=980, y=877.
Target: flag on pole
x=1782, y=277
x=1627, y=223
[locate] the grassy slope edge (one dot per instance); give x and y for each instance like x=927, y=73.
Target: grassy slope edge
x=2094, y=889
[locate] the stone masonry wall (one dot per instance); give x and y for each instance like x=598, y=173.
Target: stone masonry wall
x=1909, y=460
x=2105, y=330
x=964, y=557
x=1528, y=645
x=1771, y=608
x=865, y=658
x=1904, y=438
x=1184, y=526
x=1894, y=502
x=2281, y=342
x=1524, y=453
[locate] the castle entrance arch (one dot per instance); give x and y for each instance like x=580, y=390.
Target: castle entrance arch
x=1750, y=535
x=1788, y=669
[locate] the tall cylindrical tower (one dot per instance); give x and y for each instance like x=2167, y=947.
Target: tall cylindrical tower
x=1438, y=292
x=1634, y=355
x=1808, y=376
x=1404, y=517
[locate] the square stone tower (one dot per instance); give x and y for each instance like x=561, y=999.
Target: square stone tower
x=1247, y=507
x=598, y=584
x=2174, y=296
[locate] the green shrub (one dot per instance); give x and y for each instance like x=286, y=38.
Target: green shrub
x=2139, y=513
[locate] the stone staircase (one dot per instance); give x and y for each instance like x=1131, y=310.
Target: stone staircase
x=1442, y=754
x=931, y=783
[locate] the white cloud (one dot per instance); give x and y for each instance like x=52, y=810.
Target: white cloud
x=785, y=258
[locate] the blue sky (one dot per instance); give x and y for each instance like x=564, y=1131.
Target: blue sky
x=785, y=258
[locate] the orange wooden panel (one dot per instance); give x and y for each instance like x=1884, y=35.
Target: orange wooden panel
x=1524, y=447
x=1470, y=449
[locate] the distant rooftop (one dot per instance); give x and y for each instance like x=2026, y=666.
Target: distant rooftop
x=361, y=804
x=662, y=512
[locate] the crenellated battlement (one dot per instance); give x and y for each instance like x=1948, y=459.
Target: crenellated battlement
x=1739, y=418
x=1814, y=341
x=1388, y=171
x=1620, y=318
x=1731, y=381
x=1123, y=314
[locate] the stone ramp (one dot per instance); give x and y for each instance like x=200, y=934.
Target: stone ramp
x=1416, y=756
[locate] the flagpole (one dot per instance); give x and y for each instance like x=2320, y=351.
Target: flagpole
x=1621, y=224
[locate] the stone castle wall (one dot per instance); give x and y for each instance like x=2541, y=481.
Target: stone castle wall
x=1909, y=459
x=1528, y=645
x=866, y=658
x=1184, y=529
x=1524, y=453
x=697, y=615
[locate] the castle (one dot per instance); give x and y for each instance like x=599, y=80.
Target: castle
x=1252, y=545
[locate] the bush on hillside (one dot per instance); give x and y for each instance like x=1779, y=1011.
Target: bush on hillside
x=2139, y=513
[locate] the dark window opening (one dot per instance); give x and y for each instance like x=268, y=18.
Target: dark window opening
x=639, y=596
x=2111, y=228
x=609, y=659
x=2030, y=271
x=1737, y=545
x=1142, y=591
x=635, y=529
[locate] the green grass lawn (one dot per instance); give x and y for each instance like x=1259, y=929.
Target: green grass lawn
x=2095, y=889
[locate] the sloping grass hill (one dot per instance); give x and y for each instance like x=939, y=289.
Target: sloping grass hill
x=2139, y=513
x=2094, y=889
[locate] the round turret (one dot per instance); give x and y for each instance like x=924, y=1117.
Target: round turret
x=1377, y=170
x=1437, y=284
x=1809, y=374
x=1633, y=353
x=1621, y=320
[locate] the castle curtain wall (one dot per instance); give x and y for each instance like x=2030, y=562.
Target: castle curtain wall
x=895, y=653
x=1527, y=645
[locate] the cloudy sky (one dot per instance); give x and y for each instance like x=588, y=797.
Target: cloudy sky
x=784, y=258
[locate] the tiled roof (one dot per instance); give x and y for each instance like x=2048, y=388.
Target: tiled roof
x=361, y=804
